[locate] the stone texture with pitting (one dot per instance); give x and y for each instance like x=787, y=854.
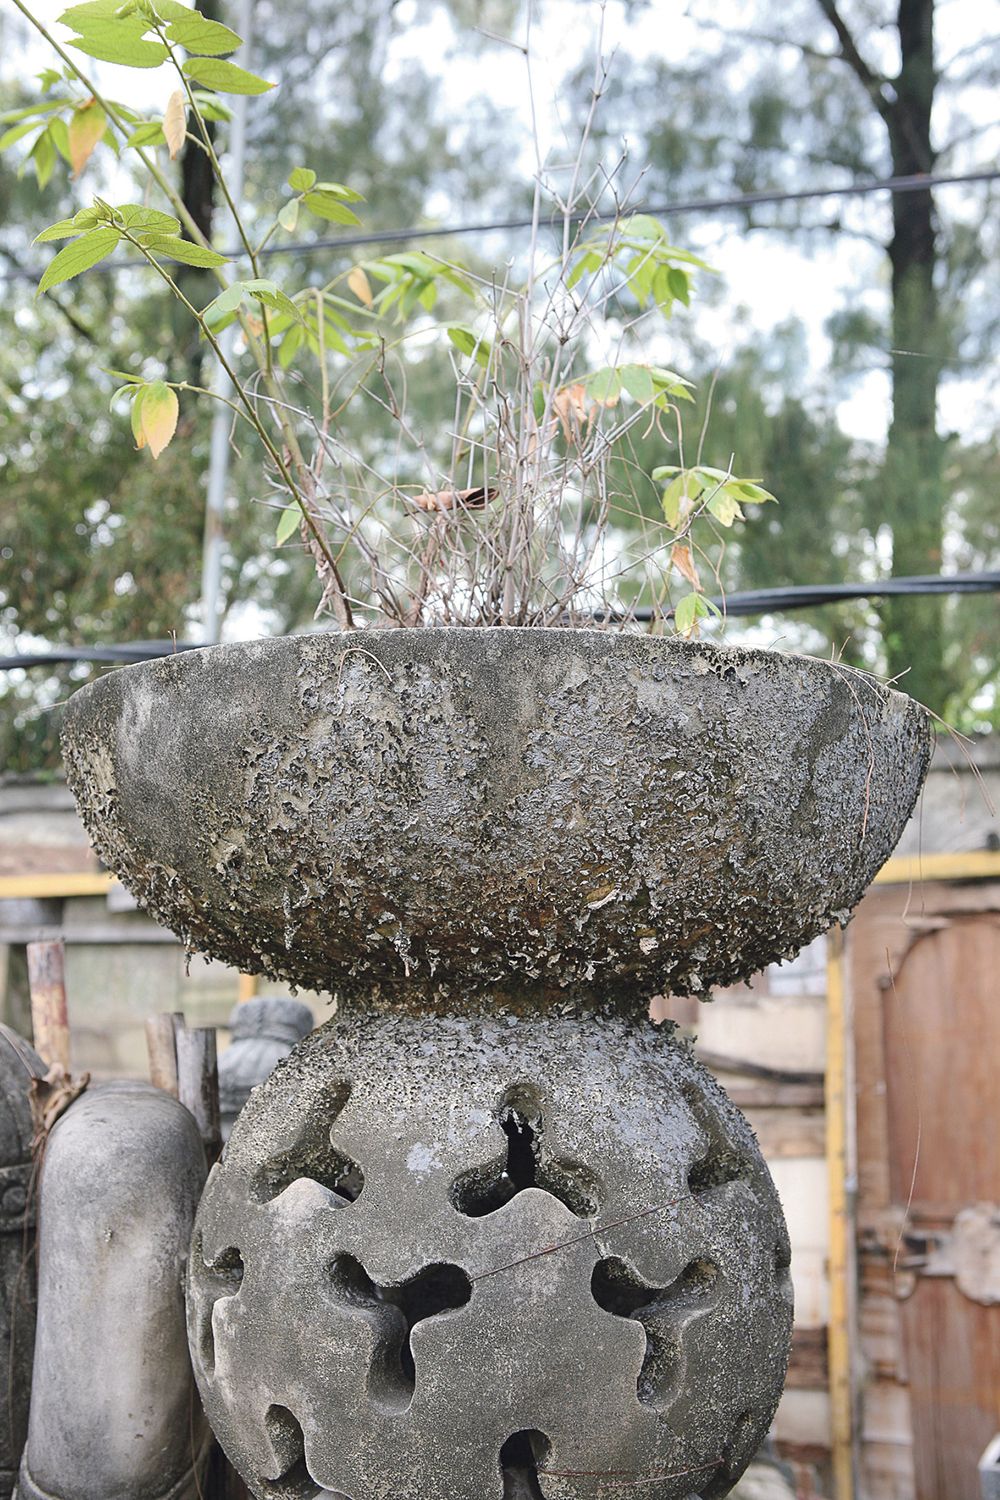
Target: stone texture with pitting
x=490, y=1258
x=403, y=814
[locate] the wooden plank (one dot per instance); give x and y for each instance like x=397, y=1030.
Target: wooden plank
x=942, y=1042
x=954, y=1368
x=934, y=992
x=786, y=1132
x=762, y=1095
x=49, y=1018
x=807, y=1363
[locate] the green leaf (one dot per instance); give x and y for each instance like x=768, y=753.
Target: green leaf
x=121, y=42
x=271, y=295
x=642, y=227
x=301, y=179
x=79, y=17
x=327, y=206
x=754, y=493
x=172, y=10
x=468, y=342
x=141, y=220
x=691, y=609
x=679, y=283
x=288, y=524
x=680, y=489
x=669, y=380
x=135, y=416
x=125, y=375
x=149, y=133
x=638, y=382
x=588, y=263
x=725, y=508
x=79, y=256
x=66, y=229
x=290, y=346
x=186, y=251
x=340, y=190
x=221, y=311
x=34, y=112
x=16, y=133
x=204, y=37
x=59, y=136
x=225, y=77
x=43, y=155
x=288, y=215
x=604, y=385
x=212, y=106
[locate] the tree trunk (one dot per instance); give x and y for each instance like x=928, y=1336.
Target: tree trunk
x=198, y=191
x=913, y=498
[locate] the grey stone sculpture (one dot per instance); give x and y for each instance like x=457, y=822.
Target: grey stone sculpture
x=263, y=1031
x=19, y=1063
x=113, y=1409
x=486, y=1256
x=490, y=1235
x=579, y=810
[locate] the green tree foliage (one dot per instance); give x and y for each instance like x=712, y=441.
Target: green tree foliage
x=845, y=93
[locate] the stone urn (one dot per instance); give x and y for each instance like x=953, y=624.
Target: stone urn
x=490, y=1234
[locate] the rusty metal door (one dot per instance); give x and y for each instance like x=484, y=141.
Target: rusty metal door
x=941, y=1030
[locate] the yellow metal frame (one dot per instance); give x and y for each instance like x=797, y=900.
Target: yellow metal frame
x=900, y=870
x=906, y=869
x=82, y=883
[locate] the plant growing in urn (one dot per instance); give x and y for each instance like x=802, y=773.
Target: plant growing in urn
x=489, y=1233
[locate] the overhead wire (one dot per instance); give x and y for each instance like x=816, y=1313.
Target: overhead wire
x=919, y=182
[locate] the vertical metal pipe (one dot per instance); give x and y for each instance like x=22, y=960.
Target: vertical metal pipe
x=218, y=461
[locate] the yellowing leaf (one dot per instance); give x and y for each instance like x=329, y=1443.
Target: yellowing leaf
x=360, y=286
x=86, y=128
x=681, y=559
x=175, y=122
x=573, y=410
x=156, y=421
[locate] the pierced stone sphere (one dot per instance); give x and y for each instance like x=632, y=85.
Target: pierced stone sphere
x=490, y=1258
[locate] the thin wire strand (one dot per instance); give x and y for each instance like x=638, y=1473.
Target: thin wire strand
x=921, y=182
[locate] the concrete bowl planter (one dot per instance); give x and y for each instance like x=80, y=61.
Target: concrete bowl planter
x=490, y=1234
x=409, y=812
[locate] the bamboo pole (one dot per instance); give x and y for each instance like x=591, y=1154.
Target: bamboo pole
x=47, y=985
x=198, y=1083
x=840, y=1226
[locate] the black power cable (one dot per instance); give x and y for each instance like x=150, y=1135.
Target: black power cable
x=749, y=602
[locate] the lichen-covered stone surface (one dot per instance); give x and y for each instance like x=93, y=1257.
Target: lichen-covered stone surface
x=405, y=814
x=490, y=1258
